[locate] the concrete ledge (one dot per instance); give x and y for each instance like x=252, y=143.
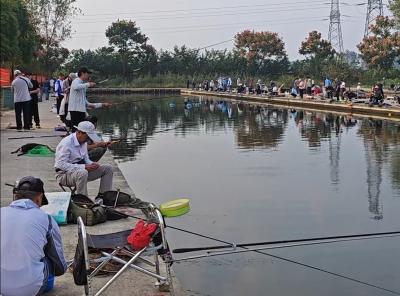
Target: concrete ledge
x=317, y=105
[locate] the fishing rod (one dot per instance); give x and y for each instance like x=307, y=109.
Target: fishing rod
x=36, y=137
x=148, y=99
x=176, y=127
x=260, y=251
x=325, y=238
x=281, y=246
x=293, y=262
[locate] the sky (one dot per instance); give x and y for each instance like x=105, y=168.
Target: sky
x=198, y=24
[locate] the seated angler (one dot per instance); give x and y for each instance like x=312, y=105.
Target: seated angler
x=73, y=166
x=31, y=246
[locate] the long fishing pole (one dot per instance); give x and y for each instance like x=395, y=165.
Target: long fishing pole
x=271, y=255
x=292, y=261
x=148, y=99
x=362, y=235
x=36, y=137
x=281, y=246
x=177, y=127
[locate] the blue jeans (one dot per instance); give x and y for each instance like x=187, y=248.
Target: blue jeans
x=47, y=274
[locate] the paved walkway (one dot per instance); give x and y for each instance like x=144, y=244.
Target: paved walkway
x=14, y=167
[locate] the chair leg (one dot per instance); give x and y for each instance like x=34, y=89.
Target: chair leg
x=120, y=272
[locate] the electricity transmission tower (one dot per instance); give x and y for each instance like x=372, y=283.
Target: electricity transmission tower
x=375, y=9
x=335, y=28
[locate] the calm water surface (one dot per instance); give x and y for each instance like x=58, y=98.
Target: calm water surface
x=258, y=173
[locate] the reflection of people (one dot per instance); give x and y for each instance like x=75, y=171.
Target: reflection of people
x=31, y=245
x=73, y=166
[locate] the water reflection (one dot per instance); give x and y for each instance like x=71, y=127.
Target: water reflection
x=257, y=127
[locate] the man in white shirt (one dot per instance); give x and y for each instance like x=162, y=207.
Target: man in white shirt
x=73, y=166
x=20, y=87
x=77, y=102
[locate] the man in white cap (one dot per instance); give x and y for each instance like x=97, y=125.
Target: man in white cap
x=73, y=166
x=20, y=87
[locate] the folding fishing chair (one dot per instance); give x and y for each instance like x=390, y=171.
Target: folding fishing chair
x=117, y=242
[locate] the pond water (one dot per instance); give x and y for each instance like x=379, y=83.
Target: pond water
x=261, y=173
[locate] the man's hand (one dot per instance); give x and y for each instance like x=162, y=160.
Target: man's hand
x=92, y=167
x=107, y=104
x=103, y=144
x=91, y=84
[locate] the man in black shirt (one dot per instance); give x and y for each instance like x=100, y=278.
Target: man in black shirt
x=34, y=102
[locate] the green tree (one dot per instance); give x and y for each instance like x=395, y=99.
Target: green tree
x=395, y=8
x=382, y=48
x=9, y=31
x=18, y=38
x=129, y=42
x=260, y=49
x=316, y=47
x=53, y=20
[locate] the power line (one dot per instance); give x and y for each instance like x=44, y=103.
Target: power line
x=213, y=25
x=207, y=8
x=210, y=15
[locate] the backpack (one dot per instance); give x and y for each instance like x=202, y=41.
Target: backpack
x=90, y=212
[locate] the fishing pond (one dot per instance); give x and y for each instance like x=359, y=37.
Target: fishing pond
x=256, y=173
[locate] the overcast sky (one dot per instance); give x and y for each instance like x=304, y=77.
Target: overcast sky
x=202, y=23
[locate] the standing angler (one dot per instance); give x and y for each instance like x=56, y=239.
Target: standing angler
x=20, y=87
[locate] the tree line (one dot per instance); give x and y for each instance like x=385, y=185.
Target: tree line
x=35, y=29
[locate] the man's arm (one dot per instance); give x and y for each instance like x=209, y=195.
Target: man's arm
x=86, y=157
x=62, y=160
x=81, y=85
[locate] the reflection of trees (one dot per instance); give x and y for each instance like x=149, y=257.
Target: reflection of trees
x=256, y=126
x=261, y=128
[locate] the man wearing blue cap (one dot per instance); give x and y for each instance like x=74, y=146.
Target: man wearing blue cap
x=31, y=245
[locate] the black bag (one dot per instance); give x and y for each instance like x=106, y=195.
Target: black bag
x=90, y=212
x=110, y=198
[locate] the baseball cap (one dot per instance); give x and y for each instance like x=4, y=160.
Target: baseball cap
x=88, y=128
x=29, y=185
x=84, y=70
x=17, y=72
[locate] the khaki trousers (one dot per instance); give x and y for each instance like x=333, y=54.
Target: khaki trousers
x=80, y=177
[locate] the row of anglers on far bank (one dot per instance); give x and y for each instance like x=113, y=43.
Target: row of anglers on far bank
x=301, y=88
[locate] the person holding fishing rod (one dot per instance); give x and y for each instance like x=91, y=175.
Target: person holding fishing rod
x=78, y=104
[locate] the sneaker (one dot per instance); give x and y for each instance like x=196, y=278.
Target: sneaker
x=38, y=126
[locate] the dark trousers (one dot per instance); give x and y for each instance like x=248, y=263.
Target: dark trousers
x=301, y=90
x=58, y=102
x=24, y=108
x=76, y=118
x=34, y=112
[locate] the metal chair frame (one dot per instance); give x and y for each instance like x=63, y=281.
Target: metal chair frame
x=136, y=256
